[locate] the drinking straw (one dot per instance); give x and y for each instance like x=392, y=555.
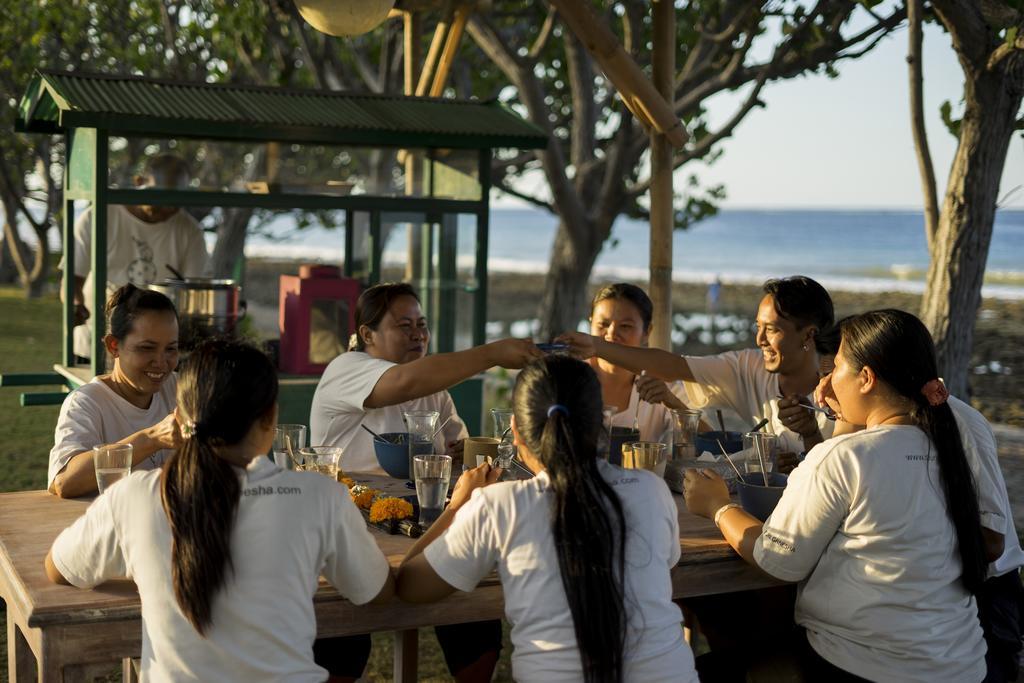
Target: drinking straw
x=721, y=422
x=760, y=424
x=636, y=415
x=729, y=460
x=288, y=450
x=760, y=458
x=438, y=430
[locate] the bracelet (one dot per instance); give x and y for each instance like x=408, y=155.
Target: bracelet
x=722, y=510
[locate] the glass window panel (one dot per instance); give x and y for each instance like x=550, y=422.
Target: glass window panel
x=274, y=167
x=328, y=329
x=457, y=174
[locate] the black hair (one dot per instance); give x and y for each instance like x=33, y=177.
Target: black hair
x=588, y=522
x=224, y=387
x=900, y=351
x=803, y=302
x=631, y=293
x=373, y=305
x=128, y=303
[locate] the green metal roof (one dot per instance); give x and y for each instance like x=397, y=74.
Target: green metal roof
x=55, y=102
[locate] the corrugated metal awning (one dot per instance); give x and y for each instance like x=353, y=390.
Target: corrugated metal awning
x=55, y=102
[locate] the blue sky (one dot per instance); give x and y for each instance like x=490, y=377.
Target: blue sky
x=843, y=142
x=846, y=142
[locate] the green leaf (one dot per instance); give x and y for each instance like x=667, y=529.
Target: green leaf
x=952, y=125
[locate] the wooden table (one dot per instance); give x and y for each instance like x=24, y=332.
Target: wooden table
x=65, y=629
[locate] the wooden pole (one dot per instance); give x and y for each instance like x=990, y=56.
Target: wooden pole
x=642, y=98
x=433, y=54
x=662, y=223
x=451, y=46
x=412, y=58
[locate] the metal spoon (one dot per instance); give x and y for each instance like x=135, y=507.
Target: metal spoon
x=174, y=271
x=376, y=436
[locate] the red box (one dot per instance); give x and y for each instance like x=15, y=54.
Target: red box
x=316, y=317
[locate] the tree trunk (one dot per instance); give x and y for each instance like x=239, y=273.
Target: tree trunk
x=230, y=242
x=565, y=297
x=953, y=291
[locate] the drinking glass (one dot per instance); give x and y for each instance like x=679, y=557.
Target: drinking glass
x=289, y=440
x=685, y=424
x=324, y=460
x=506, y=446
x=755, y=443
x=502, y=421
x=421, y=425
x=645, y=455
x=432, y=474
x=113, y=463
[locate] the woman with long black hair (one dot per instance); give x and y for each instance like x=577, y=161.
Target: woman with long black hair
x=225, y=547
x=584, y=549
x=881, y=527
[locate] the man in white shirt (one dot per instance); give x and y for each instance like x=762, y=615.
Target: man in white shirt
x=143, y=244
x=776, y=380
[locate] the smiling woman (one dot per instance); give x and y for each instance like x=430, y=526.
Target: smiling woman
x=133, y=404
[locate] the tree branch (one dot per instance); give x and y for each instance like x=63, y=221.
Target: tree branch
x=542, y=37
x=926, y=168
x=520, y=73
x=499, y=184
x=1002, y=52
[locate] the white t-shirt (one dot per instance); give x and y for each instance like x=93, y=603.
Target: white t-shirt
x=290, y=528
x=737, y=381
x=507, y=526
x=95, y=414
x=137, y=252
x=863, y=525
x=994, y=503
x=338, y=411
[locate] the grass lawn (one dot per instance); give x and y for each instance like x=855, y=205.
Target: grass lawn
x=29, y=342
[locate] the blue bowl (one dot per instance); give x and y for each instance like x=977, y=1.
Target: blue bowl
x=758, y=499
x=708, y=441
x=393, y=455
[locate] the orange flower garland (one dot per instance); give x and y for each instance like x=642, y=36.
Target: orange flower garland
x=390, y=508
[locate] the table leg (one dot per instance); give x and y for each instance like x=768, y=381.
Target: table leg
x=129, y=674
x=21, y=663
x=407, y=645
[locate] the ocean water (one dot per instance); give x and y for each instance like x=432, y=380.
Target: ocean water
x=843, y=249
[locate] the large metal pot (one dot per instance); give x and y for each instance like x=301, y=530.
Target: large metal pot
x=207, y=307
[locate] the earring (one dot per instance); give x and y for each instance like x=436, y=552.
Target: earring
x=805, y=347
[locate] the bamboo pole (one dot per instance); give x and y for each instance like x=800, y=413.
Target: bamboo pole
x=451, y=47
x=413, y=38
x=662, y=223
x=434, y=53
x=646, y=103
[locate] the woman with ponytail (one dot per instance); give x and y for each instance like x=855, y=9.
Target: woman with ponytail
x=584, y=550
x=881, y=526
x=225, y=547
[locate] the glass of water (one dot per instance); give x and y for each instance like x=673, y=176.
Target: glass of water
x=113, y=463
x=432, y=474
x=288, y=441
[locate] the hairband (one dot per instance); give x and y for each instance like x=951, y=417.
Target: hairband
x=935, y=391
x=190, y=429
x=557, y=408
